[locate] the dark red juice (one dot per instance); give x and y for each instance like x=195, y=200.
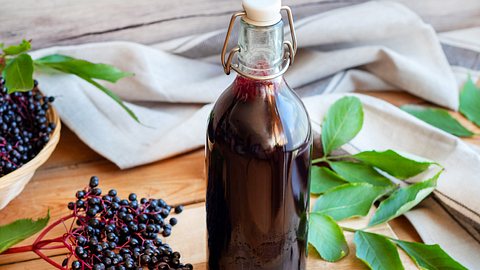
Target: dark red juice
x=257, y=159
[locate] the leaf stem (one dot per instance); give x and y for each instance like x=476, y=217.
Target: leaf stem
x=49, y=228
x=347, y=229
x=319, y=160
x=339, y=157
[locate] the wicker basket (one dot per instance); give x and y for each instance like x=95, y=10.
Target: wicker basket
x=13, y=183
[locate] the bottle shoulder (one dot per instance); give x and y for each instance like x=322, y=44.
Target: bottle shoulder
x=260, y=116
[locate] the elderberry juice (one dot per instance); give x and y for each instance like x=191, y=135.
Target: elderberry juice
x=257, y=159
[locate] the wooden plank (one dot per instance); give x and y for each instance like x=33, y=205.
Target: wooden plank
x=189, y=238
x=144, y=21
x=71, y=152
x=141, y=21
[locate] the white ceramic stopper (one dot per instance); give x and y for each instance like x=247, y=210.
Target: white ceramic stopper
x=262, y=12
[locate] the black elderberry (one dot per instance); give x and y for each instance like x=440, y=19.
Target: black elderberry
x=142, y=227
x=166, y=233
x=92, y=212
x=79, y=250
x=164, y=213
x=99, y=266
x=179, y=209
x=145, y=259
x=76, y=265
x=111, y=237
x=93, y=181
x=162, y=203
x=81, y=241
x=132, y=196
x=65, y=262
x=94, y=223
x=97, y=249
x=24, y=127
x=115, y=233
x=96, y=191
x=71, y=205
x=80, y=194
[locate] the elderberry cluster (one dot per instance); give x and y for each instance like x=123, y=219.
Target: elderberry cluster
x=24, y=126
x=119, y=234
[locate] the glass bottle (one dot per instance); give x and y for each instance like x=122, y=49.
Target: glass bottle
x=258, y=155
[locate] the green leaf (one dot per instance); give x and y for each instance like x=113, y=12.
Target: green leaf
x=113, y=96
x=83, y=68
x=349, y=200
x=376, y=251
x=439, y=118
x=18, y=74
x=429, y=257
x=394, y=164
x=403, y=200
x=470, y=101
x=88, y=71
x=18, y=49
x=324, y=179
x=327, y=237
x=20, y=230
x=360, y=173
x=343, y=121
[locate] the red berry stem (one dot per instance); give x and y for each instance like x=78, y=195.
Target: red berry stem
x=51, y=226
x=40, y=244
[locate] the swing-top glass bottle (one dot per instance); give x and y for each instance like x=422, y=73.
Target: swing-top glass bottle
x=258, y=152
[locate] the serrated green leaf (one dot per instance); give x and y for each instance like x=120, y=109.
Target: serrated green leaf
x=20, y=230
x=359, y=173
x=403, y=200
x=18, y=49
x=18, y=74
x=470, y=101
x=349, y=200
x=393, y=163
x=342, y=123
x=439, y=118
x=376, y=251
x=327, y=237
x=323, y=179
x=429, y=257
x=84, y=68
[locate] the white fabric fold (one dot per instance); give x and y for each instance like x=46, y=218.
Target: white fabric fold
x=376, y=45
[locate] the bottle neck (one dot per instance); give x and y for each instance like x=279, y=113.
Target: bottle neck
x=261, y=48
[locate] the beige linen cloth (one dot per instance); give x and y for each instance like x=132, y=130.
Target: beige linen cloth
x=376, y=45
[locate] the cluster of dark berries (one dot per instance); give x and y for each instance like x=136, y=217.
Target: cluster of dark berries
x=117, y=234
x=24, y=126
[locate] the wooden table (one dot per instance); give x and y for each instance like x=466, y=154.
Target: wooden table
x=178, y=180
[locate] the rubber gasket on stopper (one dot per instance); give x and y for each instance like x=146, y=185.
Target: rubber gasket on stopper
x=262, y=12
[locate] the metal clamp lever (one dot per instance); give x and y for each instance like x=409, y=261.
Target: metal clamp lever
x=289, y=55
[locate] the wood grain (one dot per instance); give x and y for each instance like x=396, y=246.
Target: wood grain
x=62, y=22
x=189, y=238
